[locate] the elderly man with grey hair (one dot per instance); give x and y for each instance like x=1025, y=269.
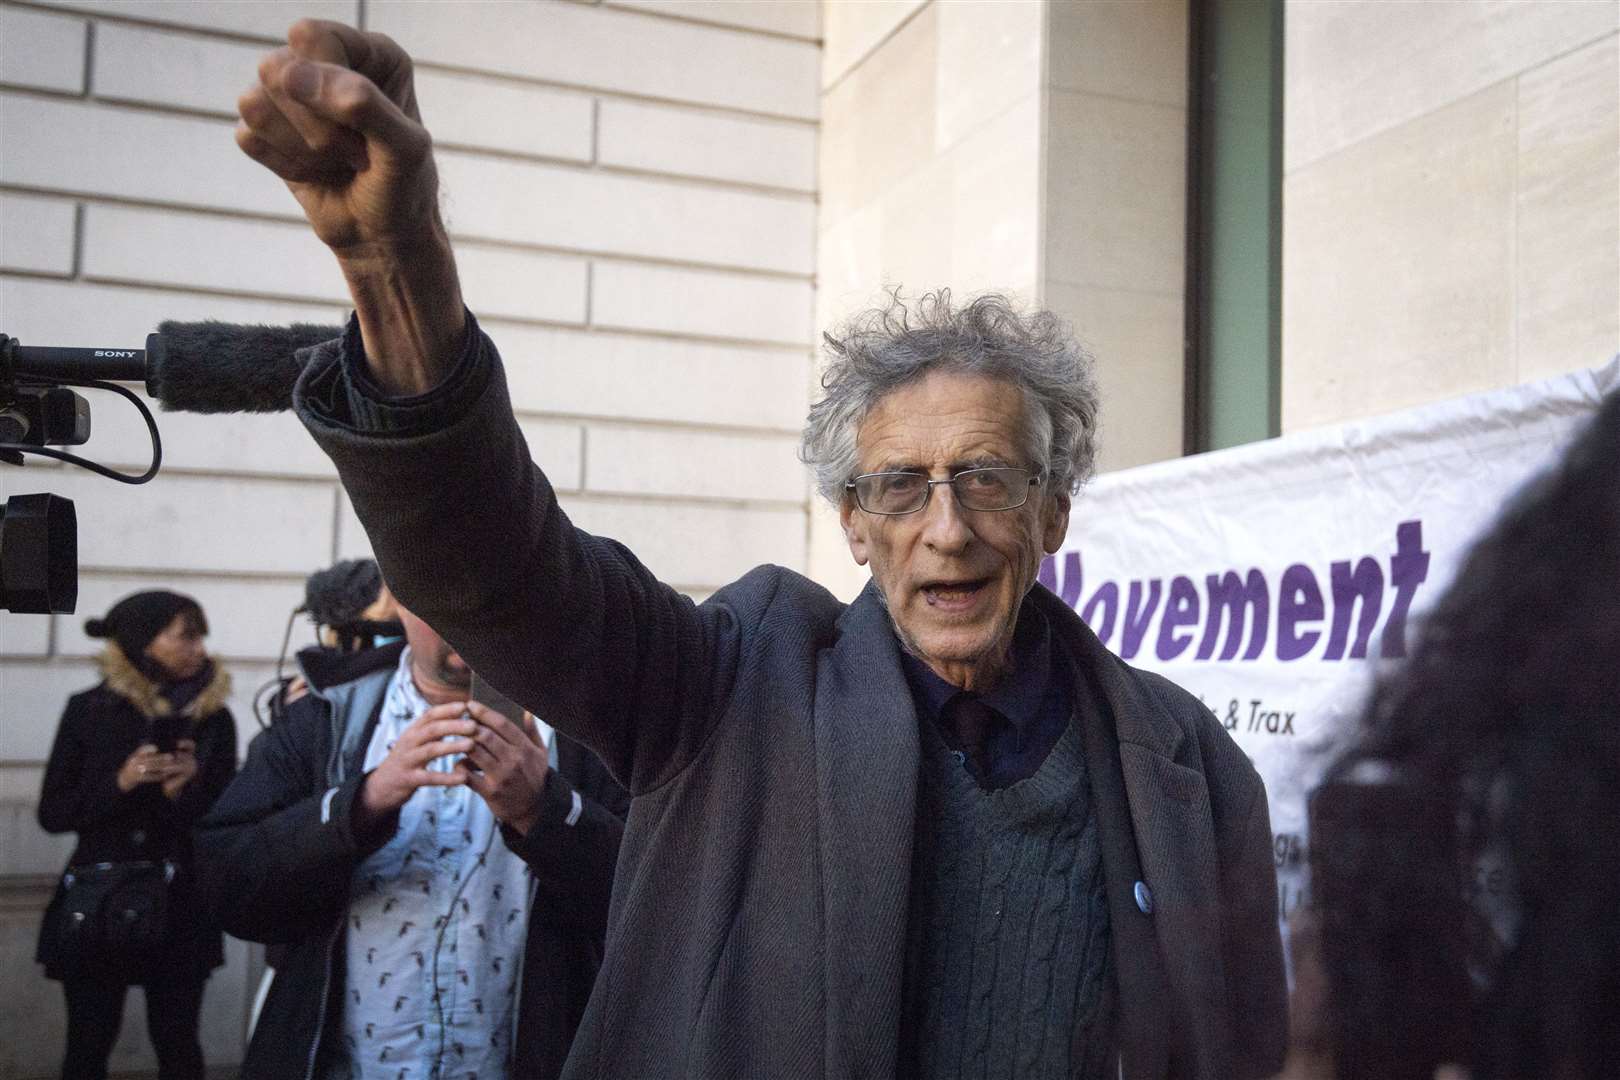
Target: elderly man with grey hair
x=936, y=832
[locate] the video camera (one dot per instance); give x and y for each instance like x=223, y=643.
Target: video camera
x=39, y=547
x=202, y=367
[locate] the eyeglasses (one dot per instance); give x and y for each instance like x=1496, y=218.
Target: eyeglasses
x=975, y=489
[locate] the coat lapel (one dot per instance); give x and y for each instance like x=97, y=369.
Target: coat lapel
x=1155, y=826
x=1145, y=1018
x=866, y=782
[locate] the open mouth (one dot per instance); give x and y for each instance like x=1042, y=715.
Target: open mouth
x=952, y=594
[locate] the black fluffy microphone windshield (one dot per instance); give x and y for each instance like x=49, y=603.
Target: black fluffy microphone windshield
x=217, y=367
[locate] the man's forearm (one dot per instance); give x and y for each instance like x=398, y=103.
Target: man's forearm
x=407, y=300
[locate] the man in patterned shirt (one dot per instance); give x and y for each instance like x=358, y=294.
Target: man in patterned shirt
x=388, y=830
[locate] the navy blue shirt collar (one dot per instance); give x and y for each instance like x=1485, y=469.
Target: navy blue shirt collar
x=1021, y=693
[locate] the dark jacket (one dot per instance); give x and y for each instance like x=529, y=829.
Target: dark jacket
x=770, y=742
x=100, y=728
x=274, y=872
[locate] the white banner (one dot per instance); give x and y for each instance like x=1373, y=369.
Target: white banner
x=1269, y=579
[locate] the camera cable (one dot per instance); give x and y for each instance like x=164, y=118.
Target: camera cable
x=95, y=466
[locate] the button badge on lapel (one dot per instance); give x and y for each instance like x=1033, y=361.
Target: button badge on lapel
x=1144, y=898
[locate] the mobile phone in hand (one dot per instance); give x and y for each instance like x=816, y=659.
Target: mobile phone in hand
x=167, y=731
x=485, y=694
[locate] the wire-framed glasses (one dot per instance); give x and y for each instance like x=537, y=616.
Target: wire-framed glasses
x=892, y=493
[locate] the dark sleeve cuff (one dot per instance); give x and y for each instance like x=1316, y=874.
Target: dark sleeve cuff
x=353, y=400
x=561, y=806
x=364, y=834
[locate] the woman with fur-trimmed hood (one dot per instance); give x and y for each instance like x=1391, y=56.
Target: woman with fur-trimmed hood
x=130, y=801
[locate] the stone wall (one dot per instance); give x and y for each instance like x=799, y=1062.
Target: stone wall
x=1115, y=210
x=1451, y=200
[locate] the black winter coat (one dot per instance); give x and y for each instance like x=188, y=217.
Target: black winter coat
x=99, y=729
x=273, y=871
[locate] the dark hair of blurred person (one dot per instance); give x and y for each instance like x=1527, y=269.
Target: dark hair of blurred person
x=137, y=760
x=1465, y=852
x=355, y=615
x=351, y=604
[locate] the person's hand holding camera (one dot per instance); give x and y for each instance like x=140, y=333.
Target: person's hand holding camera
x=438, y=732
x=146, y=765
x=512, y=764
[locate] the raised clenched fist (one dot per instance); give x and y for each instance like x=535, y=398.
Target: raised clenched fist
x=334, y=115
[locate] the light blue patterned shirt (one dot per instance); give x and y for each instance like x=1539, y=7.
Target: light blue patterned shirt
x=438, y=921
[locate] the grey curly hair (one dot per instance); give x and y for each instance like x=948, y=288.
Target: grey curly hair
x=884, y=348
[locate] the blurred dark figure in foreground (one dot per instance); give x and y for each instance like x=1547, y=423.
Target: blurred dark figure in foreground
x=137, y=760
x=1466, y=851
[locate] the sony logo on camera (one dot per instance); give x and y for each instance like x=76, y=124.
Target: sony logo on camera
x=115, y=352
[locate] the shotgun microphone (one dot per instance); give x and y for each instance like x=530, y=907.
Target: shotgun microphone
x=209, y=367
x=206, y=367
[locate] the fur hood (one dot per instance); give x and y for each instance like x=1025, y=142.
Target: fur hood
x=130, y=683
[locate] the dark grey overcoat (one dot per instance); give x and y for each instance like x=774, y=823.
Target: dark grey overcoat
x=770, y=742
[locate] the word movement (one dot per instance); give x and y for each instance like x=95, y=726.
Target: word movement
x=1356, y=590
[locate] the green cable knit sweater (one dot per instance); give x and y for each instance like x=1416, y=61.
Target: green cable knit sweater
x=1009, y=972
